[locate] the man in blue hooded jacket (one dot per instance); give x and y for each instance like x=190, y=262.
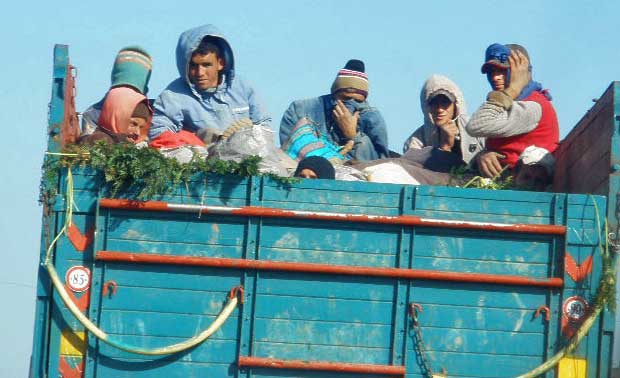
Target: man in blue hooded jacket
x=207, y=94
x=344, y=117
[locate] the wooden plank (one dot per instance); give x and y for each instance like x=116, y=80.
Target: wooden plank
x=467, y=294
x=194, y=302
x=354, y=258
x=316, y=286
x=480, y=341
x=177, y=228
x=173, y=277
x=176, y=248
x=289, y=307
x=332, y=196
x=212, y=351
x=285, y=373
x=487, y=247
x=306, y=351
x=480, y=266
x=475, y=317
x=321, y=332
x=309, y=206
x=332, y=236
x=487, y=207
x=165, y=367
x=144, y=323
x=477, y=364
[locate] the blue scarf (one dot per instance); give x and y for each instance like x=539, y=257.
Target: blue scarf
x=531, y=87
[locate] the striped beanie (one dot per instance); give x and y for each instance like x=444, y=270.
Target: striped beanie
x=352, y=77
x=132, y=67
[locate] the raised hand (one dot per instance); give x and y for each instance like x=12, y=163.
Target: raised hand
x=347, y=122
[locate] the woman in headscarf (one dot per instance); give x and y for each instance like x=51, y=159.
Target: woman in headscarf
x=125, y=117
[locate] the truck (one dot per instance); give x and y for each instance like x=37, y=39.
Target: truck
x=232, y=276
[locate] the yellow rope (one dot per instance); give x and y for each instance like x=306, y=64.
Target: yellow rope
x=589, y=322
x=100, y=334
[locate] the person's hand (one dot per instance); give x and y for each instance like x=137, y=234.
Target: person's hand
x=489, y=163
x=519, y=73
x=347, y=122
x=348, y=147
x=447, y=135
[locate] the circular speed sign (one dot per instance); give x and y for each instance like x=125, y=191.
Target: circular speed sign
x=575, y=308
x=78, y=278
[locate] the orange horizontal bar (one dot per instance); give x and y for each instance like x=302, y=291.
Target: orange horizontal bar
x=339, y=367
x=266, y=212
x=412, y=274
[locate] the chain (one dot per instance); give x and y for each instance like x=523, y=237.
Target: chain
x=419, y=341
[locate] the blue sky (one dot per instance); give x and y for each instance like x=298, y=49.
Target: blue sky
x=288, y=50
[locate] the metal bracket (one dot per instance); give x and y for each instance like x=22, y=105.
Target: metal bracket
x=106, y=288
x=237, y=291
x=546, y=310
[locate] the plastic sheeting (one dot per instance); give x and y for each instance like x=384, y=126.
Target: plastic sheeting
x=257, y=140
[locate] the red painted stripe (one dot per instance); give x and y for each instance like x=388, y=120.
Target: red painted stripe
x=266, y=212
x=126, y=204
x=340, y=367
x=412, y=274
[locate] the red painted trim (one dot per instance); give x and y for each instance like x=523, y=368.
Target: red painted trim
x=413, y=274
x=80, y=240
x=266, y=212
x=577, y=272
x=70, y=129
x=83, y=301
x=126, y=204
x=67, y=371
x=340, y=367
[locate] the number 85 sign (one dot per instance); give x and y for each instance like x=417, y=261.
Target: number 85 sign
x=78, y=278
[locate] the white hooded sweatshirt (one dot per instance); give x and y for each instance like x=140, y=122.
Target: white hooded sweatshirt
x=428, y=134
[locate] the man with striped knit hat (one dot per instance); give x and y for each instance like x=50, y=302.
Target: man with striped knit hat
x=344, y=116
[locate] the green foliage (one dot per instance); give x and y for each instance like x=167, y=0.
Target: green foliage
x=144, y=171
x=464, y=178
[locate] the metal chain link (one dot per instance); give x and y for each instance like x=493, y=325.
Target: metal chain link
x=419, y=341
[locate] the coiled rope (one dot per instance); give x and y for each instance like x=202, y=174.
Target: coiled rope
x=98, y=332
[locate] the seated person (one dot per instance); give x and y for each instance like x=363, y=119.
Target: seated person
x=306, y=140
x=125, y=118
x=132, y=68
x=534, y=169
x=208, y=93
x=445, y=117
x=517, y=113
x=343, y=116
x=315, y=167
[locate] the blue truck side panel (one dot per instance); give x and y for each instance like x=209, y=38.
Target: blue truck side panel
x=469, y=329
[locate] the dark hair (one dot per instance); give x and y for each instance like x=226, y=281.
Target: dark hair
x=208, y=45
x=319, y=165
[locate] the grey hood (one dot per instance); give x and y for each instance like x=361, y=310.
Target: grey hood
x=428, y=134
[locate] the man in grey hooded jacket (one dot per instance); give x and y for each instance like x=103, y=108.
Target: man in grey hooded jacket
x=207, y=94
x=444, y=121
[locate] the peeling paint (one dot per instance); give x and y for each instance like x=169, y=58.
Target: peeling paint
x=288, y=240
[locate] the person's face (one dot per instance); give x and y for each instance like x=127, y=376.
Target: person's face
x=307, y=173
x=532, y=177
x=442, y=110
x=498, y=78
x=136, y=129
x=344, y=96
x=204, y=70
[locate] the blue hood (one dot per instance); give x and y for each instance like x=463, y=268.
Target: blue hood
x=189, y=41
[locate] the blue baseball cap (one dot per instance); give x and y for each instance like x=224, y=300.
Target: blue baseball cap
x=496, y=55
